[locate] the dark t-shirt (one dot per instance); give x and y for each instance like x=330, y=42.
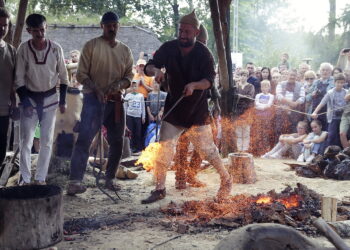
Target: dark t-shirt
x=198, y=64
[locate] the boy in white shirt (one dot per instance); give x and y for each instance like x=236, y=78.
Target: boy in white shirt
x=40, y=66
x=135, y=116
x=263, y=132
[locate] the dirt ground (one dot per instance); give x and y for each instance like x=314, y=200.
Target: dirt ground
x=144, y=226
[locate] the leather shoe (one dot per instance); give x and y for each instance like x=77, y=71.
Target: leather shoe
x=155, y=196
x=75, y=188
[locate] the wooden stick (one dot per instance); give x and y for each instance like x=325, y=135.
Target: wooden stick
x=163, y=242
x=331, y=235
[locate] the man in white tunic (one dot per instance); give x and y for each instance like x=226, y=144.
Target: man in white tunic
x=40, y=67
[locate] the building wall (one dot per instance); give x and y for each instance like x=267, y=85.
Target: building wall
x=74, y=37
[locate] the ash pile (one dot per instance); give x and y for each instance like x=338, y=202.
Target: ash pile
x=334, y=164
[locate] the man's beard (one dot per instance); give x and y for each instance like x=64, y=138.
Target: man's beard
x=186, y=44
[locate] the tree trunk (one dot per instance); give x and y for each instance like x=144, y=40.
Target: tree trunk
x=22, y=8
x=215, y=16
x=242, y=168
x=2, y=3
x=31, y=217
x=176, y=16
x=332, y=19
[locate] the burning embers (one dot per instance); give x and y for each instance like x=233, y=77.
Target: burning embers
x=288, y=202
x=293, y=207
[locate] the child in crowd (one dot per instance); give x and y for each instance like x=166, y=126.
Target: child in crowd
x=345, y=122
x=284, y=64
x=313, y=143
x=244, y=120
x=289, y=142
x=154, y=108
x=135, y=116
x=335, y=100
x=263, y=131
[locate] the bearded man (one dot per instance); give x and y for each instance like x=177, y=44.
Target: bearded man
x=190, y=70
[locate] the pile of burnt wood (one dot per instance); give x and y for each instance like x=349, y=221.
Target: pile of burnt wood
x=293, y=207
x=334, y=164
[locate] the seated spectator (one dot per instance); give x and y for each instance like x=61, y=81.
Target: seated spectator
x=335, y=100
x=263, y=132
x=314, y=143
x=289, y=143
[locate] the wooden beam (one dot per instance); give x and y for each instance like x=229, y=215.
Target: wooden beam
x=22, y=9
x=215, y=16
x=331, y=235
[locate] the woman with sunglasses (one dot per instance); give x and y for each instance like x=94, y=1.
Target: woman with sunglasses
x=309, y=78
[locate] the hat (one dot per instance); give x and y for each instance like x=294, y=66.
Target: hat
x=109, y=17
x=141, y=61
x=190, y=19
x=203, y=34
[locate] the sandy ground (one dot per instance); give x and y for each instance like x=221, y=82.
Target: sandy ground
x=143, y=226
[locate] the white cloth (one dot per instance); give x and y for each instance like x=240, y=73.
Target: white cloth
x=135, y=105
x=263, y=101
x=40, y=77
x=27, y=130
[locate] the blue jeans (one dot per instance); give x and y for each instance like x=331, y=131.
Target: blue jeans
x=91, y=121
x=333, y=137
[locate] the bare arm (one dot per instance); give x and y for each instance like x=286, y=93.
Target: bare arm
x=200, y=85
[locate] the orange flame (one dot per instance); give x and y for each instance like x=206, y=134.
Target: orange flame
x=148, y=156
x=291, y=201
x=288, y=202
x=264, y=200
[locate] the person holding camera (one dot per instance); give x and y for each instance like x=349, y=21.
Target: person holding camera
x=335, y=100
x=319, y=89
x=344, y=59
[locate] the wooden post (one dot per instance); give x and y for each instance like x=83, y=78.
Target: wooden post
x=31, y=217
x=329, y=209
x=338, y=242
x=242, y=168
x=215, y=16
x=22, y=8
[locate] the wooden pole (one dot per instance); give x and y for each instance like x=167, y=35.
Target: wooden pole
x=331, y=235
x=215, y=16
x=329, y=209
x=22, y=9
